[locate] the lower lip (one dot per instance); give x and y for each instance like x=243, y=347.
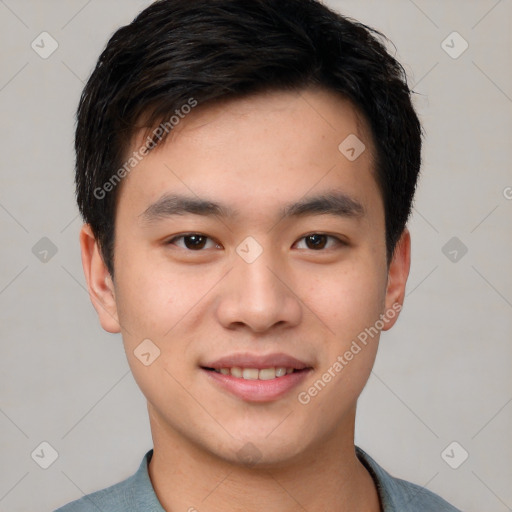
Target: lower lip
x=258, y=390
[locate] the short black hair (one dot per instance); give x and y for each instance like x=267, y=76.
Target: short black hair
x=176, y=52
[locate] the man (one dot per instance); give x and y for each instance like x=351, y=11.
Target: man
x=245, y=171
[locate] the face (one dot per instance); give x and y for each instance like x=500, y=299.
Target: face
x=250, y=244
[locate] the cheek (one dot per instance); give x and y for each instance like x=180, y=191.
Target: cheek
x=152, y=295
x=348, y=300
x=153, y=304
x=349, y=304
x=348, y=307
x=144, y=304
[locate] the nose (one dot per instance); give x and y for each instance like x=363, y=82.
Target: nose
x=257, y=295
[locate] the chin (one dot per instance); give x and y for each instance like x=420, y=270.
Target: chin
x=262, y=451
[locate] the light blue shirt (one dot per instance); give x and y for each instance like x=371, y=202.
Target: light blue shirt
x=136, y=494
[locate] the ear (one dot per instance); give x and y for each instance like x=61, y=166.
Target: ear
x=99, y=281
x=398, y=273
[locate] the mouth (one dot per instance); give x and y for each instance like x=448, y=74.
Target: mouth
x=256, y=378
x=256, y=373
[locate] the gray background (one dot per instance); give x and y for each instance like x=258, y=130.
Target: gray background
x=443, y=372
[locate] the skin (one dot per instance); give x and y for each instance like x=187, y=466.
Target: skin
x=254, y=155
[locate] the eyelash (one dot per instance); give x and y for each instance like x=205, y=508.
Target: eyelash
x=338, y=241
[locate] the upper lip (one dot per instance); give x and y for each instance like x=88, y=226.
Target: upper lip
x=247, y=360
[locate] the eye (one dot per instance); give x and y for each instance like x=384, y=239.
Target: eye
x=319, y=241
x=194, y=242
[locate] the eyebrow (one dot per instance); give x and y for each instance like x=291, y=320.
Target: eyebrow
x=331, y=203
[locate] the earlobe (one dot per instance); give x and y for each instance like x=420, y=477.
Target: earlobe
x=398, y=273
x=99, y=282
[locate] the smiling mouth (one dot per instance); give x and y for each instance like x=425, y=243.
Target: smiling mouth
x=256, y=373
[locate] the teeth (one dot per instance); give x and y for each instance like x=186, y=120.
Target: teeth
x=267, y=374
x=250, y=373
x=236, y=372
x=255, y=373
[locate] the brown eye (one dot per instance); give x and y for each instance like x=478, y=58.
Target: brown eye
x=319, y=241
x=193, y=242
x=316, y=241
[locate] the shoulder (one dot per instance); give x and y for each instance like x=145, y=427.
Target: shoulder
x=397, y=494
x=111, y=498
x=133, y=494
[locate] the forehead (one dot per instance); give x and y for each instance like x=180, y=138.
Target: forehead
x=276, y=144
x=316, y=105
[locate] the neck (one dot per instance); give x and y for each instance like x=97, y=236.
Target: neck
x=327, y=476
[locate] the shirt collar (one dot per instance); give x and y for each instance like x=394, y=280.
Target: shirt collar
x=142, y=494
